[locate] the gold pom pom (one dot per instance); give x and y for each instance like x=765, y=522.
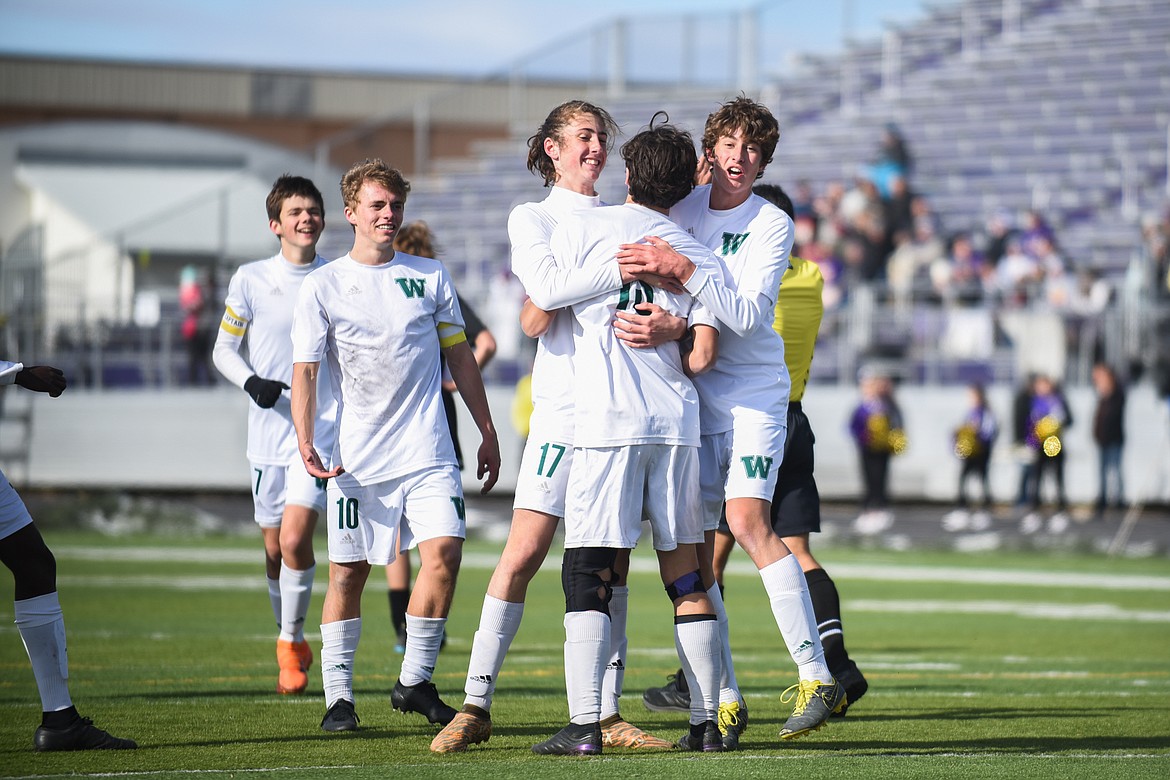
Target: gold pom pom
x=1051, y=446
x=966, y=442
x=898, y=441
x=1047, y=426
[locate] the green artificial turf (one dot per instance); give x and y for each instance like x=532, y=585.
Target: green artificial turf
x=171, y=642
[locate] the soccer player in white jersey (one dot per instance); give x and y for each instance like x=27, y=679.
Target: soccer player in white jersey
x=287, y=500
x=745, y=396
x=381, y=318
x=569, y=151
x=36, y=605
x=636, y=437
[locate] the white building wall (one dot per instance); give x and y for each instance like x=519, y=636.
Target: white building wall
x=195, y=440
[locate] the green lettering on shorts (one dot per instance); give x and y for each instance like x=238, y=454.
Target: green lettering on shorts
x=544, y=448
x=347, y=513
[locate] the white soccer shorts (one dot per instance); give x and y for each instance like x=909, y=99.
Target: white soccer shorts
x=740, y=463
x=375, y=522
x=544, y=475
x=13, y=513
x=611, y=490
x=273, y=486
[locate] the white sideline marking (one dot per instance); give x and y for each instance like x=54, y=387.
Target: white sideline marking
x=842, y=571
x=1016, y=608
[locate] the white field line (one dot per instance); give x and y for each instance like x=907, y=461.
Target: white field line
x=843, y=571
x=1015, y=608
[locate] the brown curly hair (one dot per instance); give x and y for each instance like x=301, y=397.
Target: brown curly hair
x=753, y=119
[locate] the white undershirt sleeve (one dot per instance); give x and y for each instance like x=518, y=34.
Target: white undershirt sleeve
x=8, y=372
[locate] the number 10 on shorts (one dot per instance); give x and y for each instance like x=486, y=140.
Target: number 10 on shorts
x=347, y=513
x=544, y=459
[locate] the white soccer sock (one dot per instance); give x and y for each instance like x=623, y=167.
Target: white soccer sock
x=42, y=628
x=793, y=610
x=615, y=668
x=339, y=641
x=274, y=597
x=728, y=684
x=423, y=637
x=498, y=623
x=586, y=648
x=700, y=653
x=296, y=589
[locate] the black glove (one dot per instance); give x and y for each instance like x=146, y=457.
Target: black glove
x=264, y=391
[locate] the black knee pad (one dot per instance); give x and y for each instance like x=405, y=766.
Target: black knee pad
x=685, y=585
x=587, y=576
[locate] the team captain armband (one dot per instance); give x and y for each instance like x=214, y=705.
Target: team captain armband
x=450, y=335
x=233, y=323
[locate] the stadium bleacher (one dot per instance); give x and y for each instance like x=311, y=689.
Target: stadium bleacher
x=1066, y=112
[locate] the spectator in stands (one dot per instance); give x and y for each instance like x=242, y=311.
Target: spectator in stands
x=803, y=202
x=1056, y=285
x=1021, y=408
x=908, y=268
x=999, y=232
x=892, y=160
x=1049, y=416
x=876, y=427
x=198, y=325
x=1036, y=229
x=972, y=444
x=1109, y=433
x=1017, y=275
x=1088, y=296
x=1156, y=237
x=962, y=275
x=898, y=212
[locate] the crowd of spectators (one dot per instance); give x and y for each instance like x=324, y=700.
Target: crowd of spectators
x=878, y=231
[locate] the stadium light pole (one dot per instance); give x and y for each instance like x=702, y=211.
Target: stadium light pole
x=617, y=59
x=749, y=57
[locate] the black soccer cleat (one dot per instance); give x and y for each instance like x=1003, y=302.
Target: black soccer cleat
x=672, y=697
x=855, y=685
x=81, y=735
x=423, y=699
x=572, y=740
x=703, y=737
x=340, y=717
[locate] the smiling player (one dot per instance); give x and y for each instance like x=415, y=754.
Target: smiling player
x=287, y=500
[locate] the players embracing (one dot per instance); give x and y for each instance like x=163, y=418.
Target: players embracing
x=745, y=395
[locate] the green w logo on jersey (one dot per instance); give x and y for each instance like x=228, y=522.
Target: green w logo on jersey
x=412, y=288
x=733, y=241
x=756, y=466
